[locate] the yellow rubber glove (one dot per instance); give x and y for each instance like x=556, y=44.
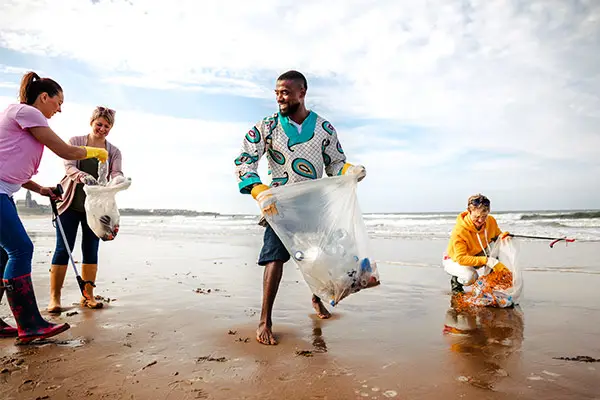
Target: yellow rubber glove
x=358, y=170
x=500, y=268
x=95, y=152
x=504, y=235
x=265, y=201
x=258, y=189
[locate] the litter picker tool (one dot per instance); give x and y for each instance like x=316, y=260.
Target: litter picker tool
x=59, y=191
x=554, y=240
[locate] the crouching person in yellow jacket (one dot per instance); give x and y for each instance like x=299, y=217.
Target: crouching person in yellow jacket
x=468, y=248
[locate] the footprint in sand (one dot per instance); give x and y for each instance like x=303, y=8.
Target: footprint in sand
x=535, y=378
x=550, y=373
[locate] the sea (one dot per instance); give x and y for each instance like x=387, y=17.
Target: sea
x=583, y=225
x=409, y=239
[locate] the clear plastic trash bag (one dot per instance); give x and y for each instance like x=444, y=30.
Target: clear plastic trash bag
x=507, y=252
x=101, y=208
x=321, y=225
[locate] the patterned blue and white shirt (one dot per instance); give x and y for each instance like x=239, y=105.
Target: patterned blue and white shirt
x=294, y=152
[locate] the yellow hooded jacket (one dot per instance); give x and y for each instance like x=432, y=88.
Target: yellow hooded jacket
x=464, y=244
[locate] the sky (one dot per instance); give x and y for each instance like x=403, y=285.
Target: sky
x=438, y=99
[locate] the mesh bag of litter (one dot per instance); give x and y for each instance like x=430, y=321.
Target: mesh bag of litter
x=101, y=208
x=501, y=288
x=321, y=225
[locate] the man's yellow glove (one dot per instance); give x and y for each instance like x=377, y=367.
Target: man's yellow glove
x=358, y=170
x=500, y=268
x=265, y=201
x=504, y=235
x=96, y=152
x=258, y=189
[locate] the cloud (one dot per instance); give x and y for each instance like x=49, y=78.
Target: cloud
x=517, y=81
x=9, y=85
x=206, y=84
x=12, y=71
x=8, y=69
x=173, y=162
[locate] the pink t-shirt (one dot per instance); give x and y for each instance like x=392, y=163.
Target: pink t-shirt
x=20, y=152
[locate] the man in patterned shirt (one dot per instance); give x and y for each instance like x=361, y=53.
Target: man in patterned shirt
x=299, y=145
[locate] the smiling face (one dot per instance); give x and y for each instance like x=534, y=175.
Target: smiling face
x=290, y=95
x=478, y=207
x=478, y=216
x=100, y=128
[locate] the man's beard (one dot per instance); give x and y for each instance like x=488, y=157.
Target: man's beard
x=291, y=109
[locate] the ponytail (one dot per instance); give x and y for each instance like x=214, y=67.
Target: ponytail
x=32, y=86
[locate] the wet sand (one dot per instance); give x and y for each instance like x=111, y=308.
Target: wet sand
x=162, y=338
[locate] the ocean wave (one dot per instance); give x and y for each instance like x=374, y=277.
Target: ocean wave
x=553, y=224
x=405, y=228
x=422, y=216
x=569, y=215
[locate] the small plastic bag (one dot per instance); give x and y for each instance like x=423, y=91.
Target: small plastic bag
x=507, y=252
x=321, y=225
x=103, y=215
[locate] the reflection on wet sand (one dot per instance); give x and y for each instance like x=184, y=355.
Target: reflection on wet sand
x=484, y=343
x=318, y=341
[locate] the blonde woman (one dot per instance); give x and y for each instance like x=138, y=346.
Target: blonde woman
x=72, y=212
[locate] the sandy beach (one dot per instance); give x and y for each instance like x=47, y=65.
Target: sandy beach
x=184, y=306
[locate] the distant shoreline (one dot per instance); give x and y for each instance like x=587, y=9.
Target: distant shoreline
x=44, y=210
x=166, y=212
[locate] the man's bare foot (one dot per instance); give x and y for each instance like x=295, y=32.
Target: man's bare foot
x=264, y=335
x=322, y=312
x=372, y=283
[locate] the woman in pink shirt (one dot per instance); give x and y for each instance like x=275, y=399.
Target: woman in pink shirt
x=24, y=132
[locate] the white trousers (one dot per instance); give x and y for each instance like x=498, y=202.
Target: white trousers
x=466, y=275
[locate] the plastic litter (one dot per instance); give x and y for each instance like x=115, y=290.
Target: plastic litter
x=321, y=225
x=101, y=208
x=500, y=289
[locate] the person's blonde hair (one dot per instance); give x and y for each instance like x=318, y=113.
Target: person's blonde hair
x=478, y=202
x=103, y=112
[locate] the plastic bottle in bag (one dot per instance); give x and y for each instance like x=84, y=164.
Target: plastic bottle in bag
x=321, y=225
x=102, y=213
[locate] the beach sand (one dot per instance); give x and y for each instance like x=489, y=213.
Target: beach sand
x=160, y=337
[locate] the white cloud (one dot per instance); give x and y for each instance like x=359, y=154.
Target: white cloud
x=207, y=84
x=188, y=163
x=8, y=69
x=9, y=85
x=173, y=162
x=512, y=77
